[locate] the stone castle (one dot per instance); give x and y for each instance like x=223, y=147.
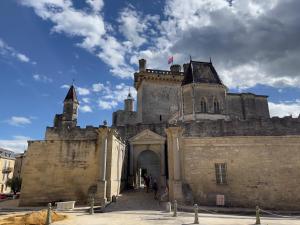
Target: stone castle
x=205, y=144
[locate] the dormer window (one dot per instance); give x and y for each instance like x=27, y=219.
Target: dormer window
x=203, y=105
x=216, y=106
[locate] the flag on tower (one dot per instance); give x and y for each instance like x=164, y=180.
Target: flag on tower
x=170, y=60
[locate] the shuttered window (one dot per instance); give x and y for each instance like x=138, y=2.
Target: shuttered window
x=221, y=173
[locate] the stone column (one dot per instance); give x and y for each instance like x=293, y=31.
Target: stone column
x=131, y=172
x=162, y=166
x=102, y=183
x=174, y=135
x=193, y=101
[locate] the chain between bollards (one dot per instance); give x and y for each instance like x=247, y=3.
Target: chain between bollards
x=92, y=206
x=48, y=218
x=196, y=220
x=175, y=209
x=257, y=215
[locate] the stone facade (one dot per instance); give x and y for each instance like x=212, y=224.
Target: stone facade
x=18, y=167
x=259, y=170
x=187, y=132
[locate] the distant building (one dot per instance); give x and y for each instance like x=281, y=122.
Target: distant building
x=7, y=162
x=19, y=164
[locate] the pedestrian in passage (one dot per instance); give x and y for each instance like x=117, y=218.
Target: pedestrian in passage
x=155, y=188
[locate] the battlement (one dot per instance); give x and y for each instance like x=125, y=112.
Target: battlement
x=274, y=126
x=72, y=133
x=159, y=75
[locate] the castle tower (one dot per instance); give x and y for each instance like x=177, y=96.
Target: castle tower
x=128, y=103
x=70, y=111
x=202, y=92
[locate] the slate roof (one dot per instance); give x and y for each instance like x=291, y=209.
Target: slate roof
x=71, y=94
x=201, y=72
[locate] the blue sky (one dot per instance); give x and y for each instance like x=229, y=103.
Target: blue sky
x=45, y=44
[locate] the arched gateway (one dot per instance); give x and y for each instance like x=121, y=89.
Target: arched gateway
x=147, y=156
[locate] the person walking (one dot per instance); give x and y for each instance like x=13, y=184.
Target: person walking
x=155, y=188
x=147, y=183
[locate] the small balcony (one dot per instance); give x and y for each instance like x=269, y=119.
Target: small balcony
x=7, y=170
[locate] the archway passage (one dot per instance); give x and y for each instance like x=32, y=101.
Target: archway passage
x=148, y=163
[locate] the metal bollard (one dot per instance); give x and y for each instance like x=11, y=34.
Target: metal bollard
x=196, y=220
x=92, y=206
x=168, y=207
x=48, y=218
x=257, y=215
x=175, y=209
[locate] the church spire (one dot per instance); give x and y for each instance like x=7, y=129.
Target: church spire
x=71, y=95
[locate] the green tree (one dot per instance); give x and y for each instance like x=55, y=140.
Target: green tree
x=15, y=184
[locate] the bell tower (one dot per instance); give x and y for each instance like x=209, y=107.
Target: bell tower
x=128, y=103
x=70, y=111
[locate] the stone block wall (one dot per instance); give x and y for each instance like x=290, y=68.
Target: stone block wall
x=59, y=170
x=261, y=171
x=71, y=169
x=157, y=101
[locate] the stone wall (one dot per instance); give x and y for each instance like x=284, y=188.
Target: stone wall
x=247, y=106
x=252, y=127
x=122, y=117
x=78, y=133
x=70, y=169
x=157, y=101
x=59, y=170
x=261, y=171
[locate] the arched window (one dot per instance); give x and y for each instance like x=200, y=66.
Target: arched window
x=216, y=106
x=203, y=106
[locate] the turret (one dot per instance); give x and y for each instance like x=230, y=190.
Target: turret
x=202, y=92
x=70, y=111
x=128, y=103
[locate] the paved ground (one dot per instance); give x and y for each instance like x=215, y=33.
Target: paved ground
x=139, y=208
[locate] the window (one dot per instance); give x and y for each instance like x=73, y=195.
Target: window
x=203, y=106
x=221, y=170
x=216, y=106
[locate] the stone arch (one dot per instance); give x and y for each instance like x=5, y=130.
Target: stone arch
x=148, y=162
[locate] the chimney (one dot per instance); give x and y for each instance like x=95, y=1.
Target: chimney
x=142, y=65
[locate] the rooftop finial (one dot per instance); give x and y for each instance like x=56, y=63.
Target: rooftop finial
x=129, y=93
x=73, y=81
x=210, y=59
x=190, y=58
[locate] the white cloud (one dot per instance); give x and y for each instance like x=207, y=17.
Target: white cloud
x=22, y=57
x=107, y=104
x=90, y=27
x=8, y=51
x=83, y=91
x=42, y=78
x=65, y=86
x=132, y=26
x=85, y=108
x=21, y=137
x=96, y=4
x=112, y=95
x=251, y=42
x=86, y=100
x=285, y=109
x=18, y=144
x=98, y=87
x=19, y=121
